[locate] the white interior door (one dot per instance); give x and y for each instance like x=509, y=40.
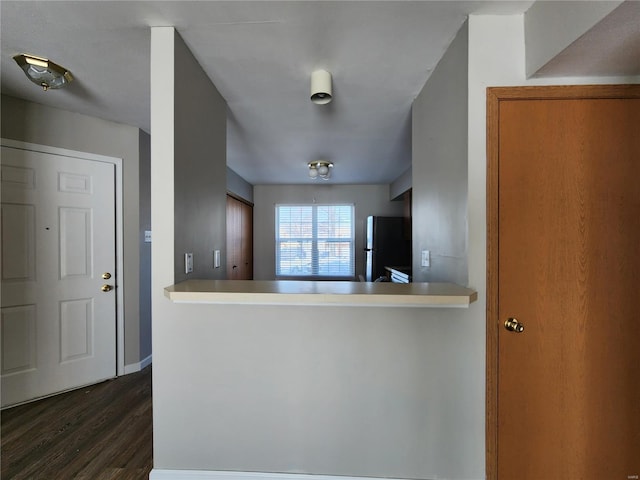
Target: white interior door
x=58, y=327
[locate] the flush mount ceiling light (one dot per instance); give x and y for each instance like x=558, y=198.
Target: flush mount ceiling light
x=320, y=169
x=321, y=87
x=43, y=71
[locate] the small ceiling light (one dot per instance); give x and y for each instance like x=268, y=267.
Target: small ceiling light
x=43, y=72
x=320, y=169
x=321, y=87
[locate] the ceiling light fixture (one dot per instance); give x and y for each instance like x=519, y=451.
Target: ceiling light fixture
x=321, y=87
x=320, y=169
x=43, y=71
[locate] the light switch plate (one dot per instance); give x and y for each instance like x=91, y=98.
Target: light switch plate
x=147, y=236
x=188, y=262
x=426, y=261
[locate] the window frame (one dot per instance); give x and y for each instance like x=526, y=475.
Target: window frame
x=314, y=240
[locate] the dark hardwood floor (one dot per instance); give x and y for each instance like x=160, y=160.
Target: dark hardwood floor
x=100, y=432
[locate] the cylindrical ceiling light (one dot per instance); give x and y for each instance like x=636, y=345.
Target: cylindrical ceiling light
x=321, y=91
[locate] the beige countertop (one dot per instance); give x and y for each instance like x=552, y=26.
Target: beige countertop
x=289, y=292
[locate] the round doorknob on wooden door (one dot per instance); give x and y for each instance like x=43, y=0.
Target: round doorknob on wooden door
x=513, y=325
x=106, y=288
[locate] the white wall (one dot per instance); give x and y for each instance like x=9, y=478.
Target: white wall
x=496, y=58
x=367, y=199
x=162, y=219
x=34, y=123
x=439, y=165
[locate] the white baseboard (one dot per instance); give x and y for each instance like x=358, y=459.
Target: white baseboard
x=161, y=474
x=136, y=367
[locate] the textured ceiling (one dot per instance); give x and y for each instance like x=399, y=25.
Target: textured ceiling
x=612, y=47
x=260, y=56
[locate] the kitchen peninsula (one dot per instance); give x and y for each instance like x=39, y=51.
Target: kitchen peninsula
x=288, y=292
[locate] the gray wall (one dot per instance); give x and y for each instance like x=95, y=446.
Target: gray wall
x=200, y=168
x=34, y=123
x=439, y=165
x=145, y=248
x=550, y=27
x=367, y=199
x=386, y=392
x=239, y=186
x=345, y=391
x=380, y=392
x=401, y=184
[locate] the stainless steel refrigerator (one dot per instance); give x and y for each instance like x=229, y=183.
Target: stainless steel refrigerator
x=388, y=244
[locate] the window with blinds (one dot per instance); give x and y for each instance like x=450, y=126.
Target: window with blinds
x=315, y=241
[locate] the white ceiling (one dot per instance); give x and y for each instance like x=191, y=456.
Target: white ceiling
x=260, y=56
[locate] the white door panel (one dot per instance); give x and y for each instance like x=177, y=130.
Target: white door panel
x=58, y=238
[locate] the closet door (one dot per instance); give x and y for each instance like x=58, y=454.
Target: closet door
x=239, y=239
x=246, y=246
x=564, y=262
x=233, y=238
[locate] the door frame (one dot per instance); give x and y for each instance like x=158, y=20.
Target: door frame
x=117, y=162
x=495, y=95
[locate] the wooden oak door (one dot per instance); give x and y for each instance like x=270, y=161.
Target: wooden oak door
x=246, y=246
x=58, y=326
x=564, y=260
x=239, y=239
x=234, y=238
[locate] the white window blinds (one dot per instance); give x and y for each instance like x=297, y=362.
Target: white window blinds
x=315, y=240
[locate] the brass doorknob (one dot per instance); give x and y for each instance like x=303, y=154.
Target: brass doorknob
x=106, y=288
x=106, y=275
x=513, y=325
